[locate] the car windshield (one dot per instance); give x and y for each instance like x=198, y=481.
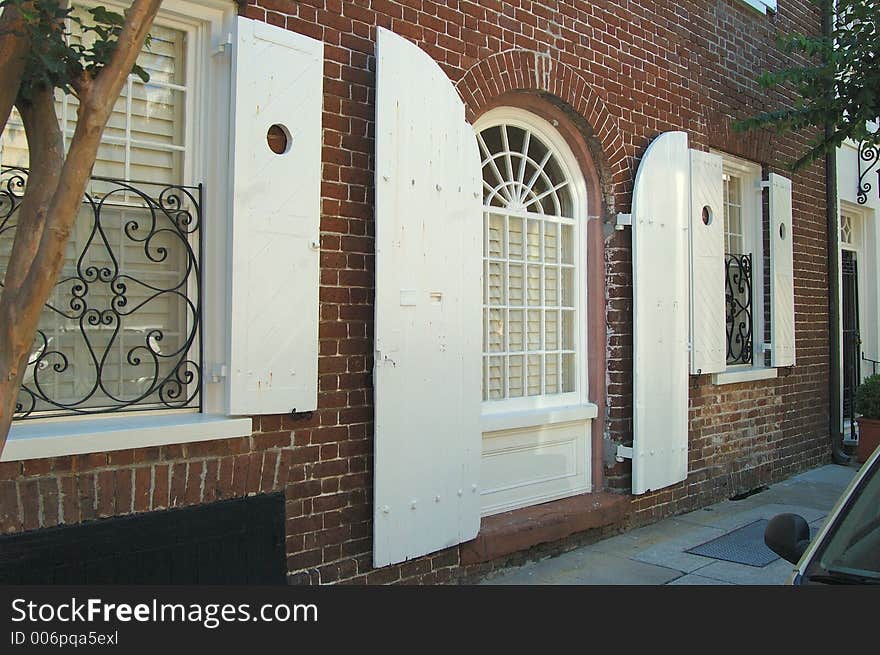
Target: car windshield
x=853, y=549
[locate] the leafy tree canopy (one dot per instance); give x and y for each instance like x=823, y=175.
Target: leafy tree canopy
x=839, y=86
x=55, y=60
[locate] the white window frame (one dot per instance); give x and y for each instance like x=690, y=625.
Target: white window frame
x=862, y=245
x=498, y=412
x=209, y=24
x=752, y=221
x=764, y=6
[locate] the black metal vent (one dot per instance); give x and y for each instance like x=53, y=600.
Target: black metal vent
x=228, y=542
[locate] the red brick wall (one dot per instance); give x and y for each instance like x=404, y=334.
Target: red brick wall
x=625, y=72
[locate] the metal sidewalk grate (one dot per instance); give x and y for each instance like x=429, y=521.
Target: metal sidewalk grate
x=744, y=545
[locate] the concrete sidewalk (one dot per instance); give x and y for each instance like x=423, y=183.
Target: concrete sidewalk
x=657, y=554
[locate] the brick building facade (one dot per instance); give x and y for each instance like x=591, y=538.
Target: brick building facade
x=616, y=73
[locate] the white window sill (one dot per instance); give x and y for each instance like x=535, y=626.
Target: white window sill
x=29, y=440
x=534, y=417
x=744, y=375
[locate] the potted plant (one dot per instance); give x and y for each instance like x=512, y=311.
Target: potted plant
x=867, y=403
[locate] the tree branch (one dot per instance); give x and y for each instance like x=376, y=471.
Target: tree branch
x=109, y=80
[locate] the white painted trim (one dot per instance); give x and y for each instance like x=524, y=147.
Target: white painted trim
x=52, y=439
x=734, y=376
x=536, y=417
x=764, y=6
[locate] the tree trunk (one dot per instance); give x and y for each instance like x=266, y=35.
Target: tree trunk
x=16, y=337
x=13, y=51
x=11, y=376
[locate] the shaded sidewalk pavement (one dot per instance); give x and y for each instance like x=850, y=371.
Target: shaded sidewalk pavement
x=727, y=534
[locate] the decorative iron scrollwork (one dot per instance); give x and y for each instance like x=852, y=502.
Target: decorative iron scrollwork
x=869, y=155
x=122, y=330
x=738, y=294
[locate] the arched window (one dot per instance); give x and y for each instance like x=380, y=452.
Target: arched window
x=534, y=197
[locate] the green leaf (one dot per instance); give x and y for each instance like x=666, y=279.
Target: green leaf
x=141, y=73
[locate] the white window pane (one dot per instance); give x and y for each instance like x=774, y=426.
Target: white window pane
x=846, y=229
x=568, y=287
x=496, y=283
x=551, y=329
x=517, y=331
x=567, y=330
x=534, y=284
x=551, y=374
x=485, y=284
x=567, y=237
x=496, y=236
x=568, y=373
x=515, y=237
x=496, y=378
x=533, y=240
x=516, y=376
x=534, y=375
x=551, y=241
x=733, y=227
x=496, y=330
x=110, y=162
x=534, y=329
x=517, y=285
x=551, y=286
x=156, y=114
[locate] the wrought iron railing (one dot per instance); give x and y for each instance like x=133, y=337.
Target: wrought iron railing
x=868, y=158
x=873, y=362
x=738, y=295
x=122, y=329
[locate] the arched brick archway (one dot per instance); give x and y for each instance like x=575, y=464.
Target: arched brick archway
x=557, y=93
x=530, y=71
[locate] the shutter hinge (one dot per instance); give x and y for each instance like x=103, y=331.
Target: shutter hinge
x=767, y=347
x=763, y=184
x=218, y=373
x=624, y=452
x=223, y=47
x=623, y=220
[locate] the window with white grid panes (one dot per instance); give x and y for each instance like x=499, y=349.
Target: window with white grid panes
x=530, y=312
x=847, y=230
x=145, y=140
x=733, y=225
x=744, y=262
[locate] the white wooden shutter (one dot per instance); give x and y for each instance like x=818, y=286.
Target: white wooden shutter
x=428, y=304
x=273, y=363
x=708, y=342
x=782, y=273
x=661, y=199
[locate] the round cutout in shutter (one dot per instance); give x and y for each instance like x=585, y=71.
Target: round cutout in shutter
x=782, y=231
x=707, y=215
x=278, y=138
